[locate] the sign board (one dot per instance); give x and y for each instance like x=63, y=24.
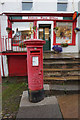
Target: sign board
x=75, y=15
x=40, y=18
x=35, y=61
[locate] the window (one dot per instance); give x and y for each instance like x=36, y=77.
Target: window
x=64, y=32
x=62, y=5
x=27, y=5
x=22, y=31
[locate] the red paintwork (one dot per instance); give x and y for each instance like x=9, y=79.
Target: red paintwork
x=14, y=53
x=73, y=33
x=64, y=20
x=10, y=26
x=40, y=14
x=28, y=20
x=35, y=73
x=54, y=35
x=17, y=65
x=35, y=32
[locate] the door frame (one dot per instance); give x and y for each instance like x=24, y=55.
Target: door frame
x=46, y=22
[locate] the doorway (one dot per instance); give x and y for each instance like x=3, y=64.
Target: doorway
x=45, y=34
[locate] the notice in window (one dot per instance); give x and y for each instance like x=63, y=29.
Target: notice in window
x=35, y=61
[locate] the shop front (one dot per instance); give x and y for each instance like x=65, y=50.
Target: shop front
x=55, y=30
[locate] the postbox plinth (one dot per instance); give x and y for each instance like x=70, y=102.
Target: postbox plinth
x=35, y=69
x=36, y=96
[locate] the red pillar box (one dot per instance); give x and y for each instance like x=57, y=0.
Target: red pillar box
x=35, y=69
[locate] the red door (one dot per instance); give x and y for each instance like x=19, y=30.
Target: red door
x=17, y=65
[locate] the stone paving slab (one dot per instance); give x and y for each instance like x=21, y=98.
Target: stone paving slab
x=69, y=106
x=47, y=108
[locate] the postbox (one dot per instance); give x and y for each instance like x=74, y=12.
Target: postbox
x=35, y=69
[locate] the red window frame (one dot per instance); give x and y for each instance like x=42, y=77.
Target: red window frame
x=73, y=32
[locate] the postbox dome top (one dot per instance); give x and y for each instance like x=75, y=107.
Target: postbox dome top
x=34, y=42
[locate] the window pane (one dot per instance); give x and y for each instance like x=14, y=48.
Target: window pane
x=22, y=31
x=61, y=6
x=26, y=5
x=41, y=33
x=64, y=32
x=46, y=33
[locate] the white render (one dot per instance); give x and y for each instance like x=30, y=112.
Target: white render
x=38, y=5
x=5, y=65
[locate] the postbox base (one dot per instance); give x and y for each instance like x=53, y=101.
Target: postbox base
x=36, y=96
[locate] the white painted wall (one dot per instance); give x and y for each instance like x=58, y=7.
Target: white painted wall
x=38, y=5
x=10, y=6
x=45, y=5
x=71, y=49
x=3, y=25
x=5, y=65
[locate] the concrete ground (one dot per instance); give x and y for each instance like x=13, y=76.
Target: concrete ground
x=66, y=106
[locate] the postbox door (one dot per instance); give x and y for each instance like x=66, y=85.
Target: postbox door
x=36, y=76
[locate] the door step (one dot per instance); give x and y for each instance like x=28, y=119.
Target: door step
x=62, y=78
x=61, y=62
x=60, y=74
x=70, y=69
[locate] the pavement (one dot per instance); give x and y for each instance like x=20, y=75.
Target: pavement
x=66, y=106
